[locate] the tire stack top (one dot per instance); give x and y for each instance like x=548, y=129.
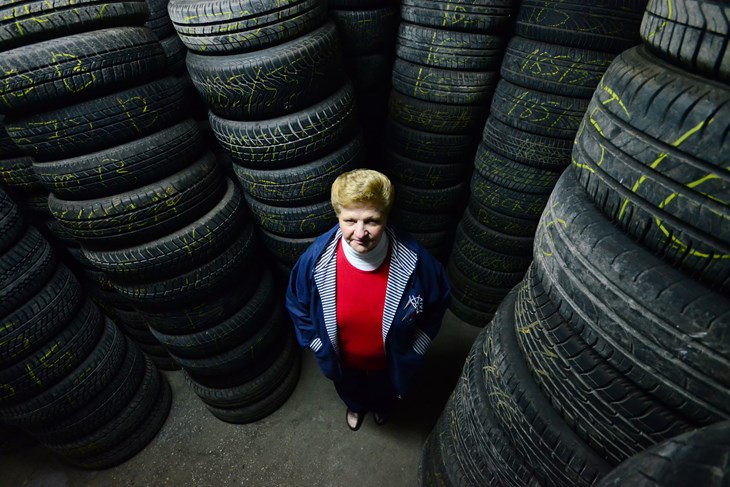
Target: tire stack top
x=445, y=70
x=550, y=69
x=613, y=349
x=70, y=378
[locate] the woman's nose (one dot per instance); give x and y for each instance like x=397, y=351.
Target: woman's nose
x=359, y=230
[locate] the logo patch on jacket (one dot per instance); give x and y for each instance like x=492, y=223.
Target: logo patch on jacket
x=413, y=307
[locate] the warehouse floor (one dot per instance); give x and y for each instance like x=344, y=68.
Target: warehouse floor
x=304, y=443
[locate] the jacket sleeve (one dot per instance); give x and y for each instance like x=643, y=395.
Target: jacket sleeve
x=299, y=295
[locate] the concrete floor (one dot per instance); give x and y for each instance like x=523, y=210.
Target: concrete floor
x=304, y=443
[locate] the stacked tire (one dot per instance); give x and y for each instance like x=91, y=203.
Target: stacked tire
x=445, y=71
x=279, y=106
x=74, y=84
x=132, y=181
x=69, y=378
x=549, y=72
x=367, y=31
x=615, y=340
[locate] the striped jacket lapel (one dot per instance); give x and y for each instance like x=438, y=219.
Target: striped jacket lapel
x=325, y=277
x=402, y=265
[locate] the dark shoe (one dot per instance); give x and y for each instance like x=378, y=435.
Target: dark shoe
x=381, y=419
x=354, y=420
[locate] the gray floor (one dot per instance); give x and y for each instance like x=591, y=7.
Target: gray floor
x=304, y=443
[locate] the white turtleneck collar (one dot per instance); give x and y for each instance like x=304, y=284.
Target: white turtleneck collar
x=368, y=261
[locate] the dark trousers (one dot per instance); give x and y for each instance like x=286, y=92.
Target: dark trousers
x=366, y=390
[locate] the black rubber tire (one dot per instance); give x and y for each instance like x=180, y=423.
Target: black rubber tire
x=99, y=410
x=481, y=253
x=693, y=458
x=147, y=212
x=506, y=201
x=200, y=314
x=438, y=200
x=472, y=443
x=266, y=405
x=8, y=149
x=653, y=162
x=222, y=27
x=662, y=329
x=142, y=433
x=284, y=249
x=17, y=172
x=270, y=82
x=175, y=55
x=370, y=31
x=123, y=167
x=30, y=21
x=447, y=49
x=305, y=183
x=255, y=389
x=24, y=270
x=692, y=34
x=199, y=282
x=421, y=222
x=36, y=322
x=495, y=220
x=495, y=239
x=428, y=146
x=12, y=223
x=603, y=25
x=425, y=175
x=554, y=451
x=485, y=276
x=78, y=386
x=514, y=175
x=159, y=19
x=537, y=112
x=302, y=221
x=99, y=123
x=225, y=335
x=59, y=71
x=177, y=252
x=241, y=356
x=291, y=139
x=471, y=290
x=553, y=68
x=491, y=16
x=52, y=360
x=445, y=86
x=539, y=151
x=436, y=117
x=606, y=409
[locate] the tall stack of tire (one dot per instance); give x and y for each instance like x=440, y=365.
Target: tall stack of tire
x=367, y=31
x=279, y=105
x=61, y=131
x=131, y=180
x=616, y=339
x=549, y=72
x=69, y=378
x=445, y=71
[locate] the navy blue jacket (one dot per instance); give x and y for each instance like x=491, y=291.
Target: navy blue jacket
x=416, y=298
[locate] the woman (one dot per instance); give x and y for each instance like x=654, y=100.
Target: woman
x=367, y=299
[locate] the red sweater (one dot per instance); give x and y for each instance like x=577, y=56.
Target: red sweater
x=360, y=303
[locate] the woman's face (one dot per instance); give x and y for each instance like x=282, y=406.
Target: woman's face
x=362, y=226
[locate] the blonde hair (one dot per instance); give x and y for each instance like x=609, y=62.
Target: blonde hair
x=362, y=186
